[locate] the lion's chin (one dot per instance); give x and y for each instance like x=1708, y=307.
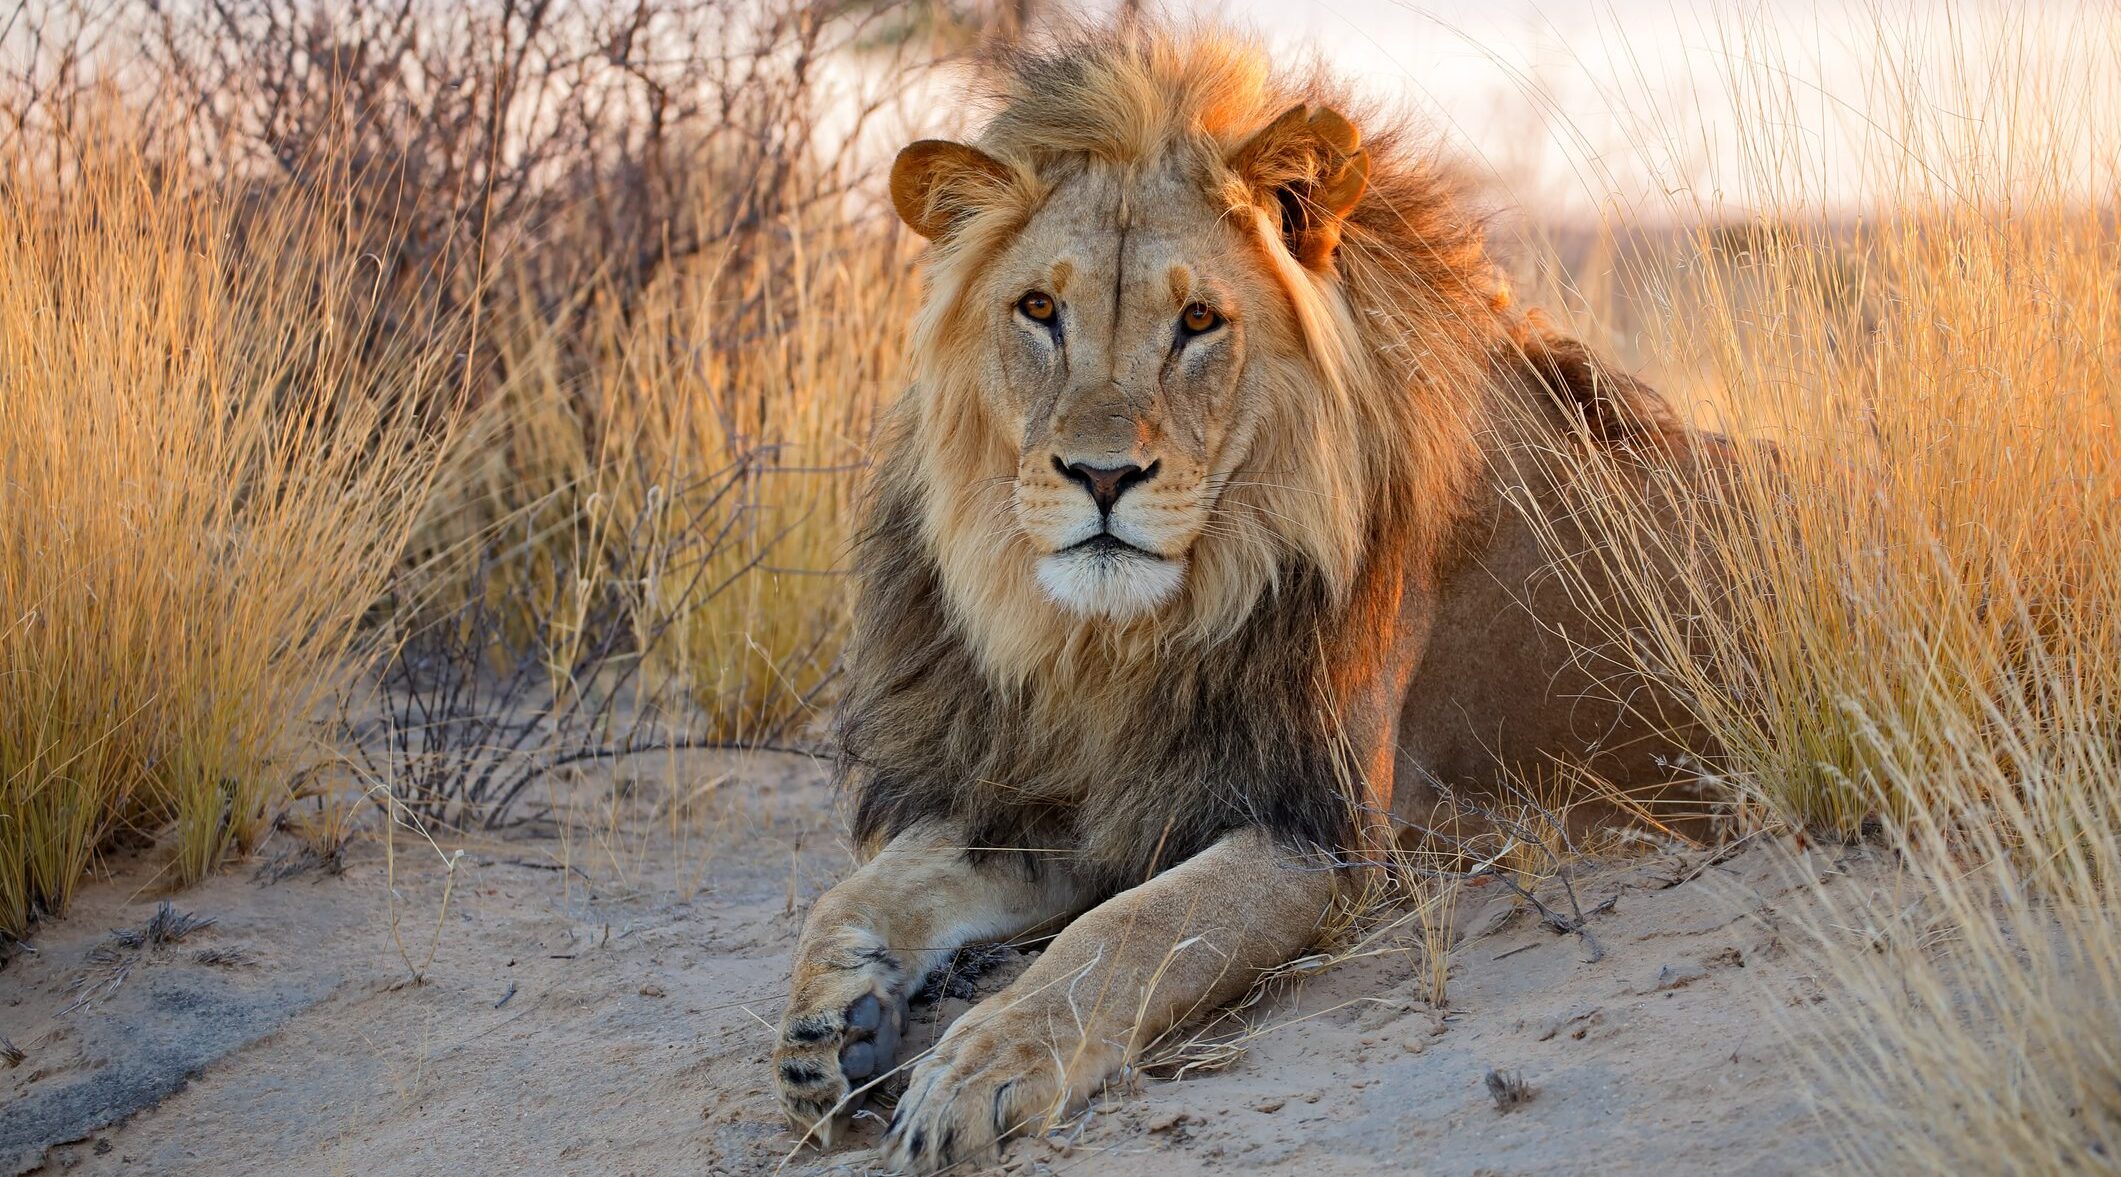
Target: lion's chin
x=1116, y=585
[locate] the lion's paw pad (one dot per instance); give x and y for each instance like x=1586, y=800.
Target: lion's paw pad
x=839, y=1037
x=872, y=1037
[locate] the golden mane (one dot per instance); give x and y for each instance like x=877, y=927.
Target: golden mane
x=1397, y=340
x=973, y=698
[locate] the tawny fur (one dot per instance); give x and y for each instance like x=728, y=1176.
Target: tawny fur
x=1366, y=619
x=1132, y=746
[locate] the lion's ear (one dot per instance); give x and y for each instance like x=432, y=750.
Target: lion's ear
x=936, y=183
x=1309, y=165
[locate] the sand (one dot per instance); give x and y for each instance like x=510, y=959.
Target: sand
x=602, y=999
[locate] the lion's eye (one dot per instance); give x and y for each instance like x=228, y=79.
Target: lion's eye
x=1037, y=306
x=1199, y=319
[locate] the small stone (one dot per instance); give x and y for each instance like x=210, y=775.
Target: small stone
x=1576, y=1021
x=1273, y=1105
x=651, y=990
x=1678, y=976
x=1169, y=1121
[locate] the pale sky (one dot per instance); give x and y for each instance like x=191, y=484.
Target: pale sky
x=1646, y=108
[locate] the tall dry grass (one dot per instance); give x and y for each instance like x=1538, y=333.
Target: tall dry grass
x=669, y=412
x=204, y=482
x=1897, y=611
x=363, y=319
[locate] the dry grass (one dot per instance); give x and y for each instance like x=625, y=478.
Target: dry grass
x=204, y=486
x=323, y=344
x=576, y=453
x=1901, y=619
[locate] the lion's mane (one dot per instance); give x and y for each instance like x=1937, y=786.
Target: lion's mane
x=1132, y=747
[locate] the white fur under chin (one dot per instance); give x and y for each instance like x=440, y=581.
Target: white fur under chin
x=1114, y=585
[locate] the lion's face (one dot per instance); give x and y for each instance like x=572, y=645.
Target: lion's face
x=1124, y=398
x=1116, y=326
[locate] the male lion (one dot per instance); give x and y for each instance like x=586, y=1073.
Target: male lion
x=1198, y=552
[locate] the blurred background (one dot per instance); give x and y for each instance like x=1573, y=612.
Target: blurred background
x=1654, y=110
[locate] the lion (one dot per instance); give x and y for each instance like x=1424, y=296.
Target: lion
x=1196, y=561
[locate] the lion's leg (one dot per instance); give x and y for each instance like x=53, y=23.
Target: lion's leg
x=1182, y=943
x=870, y=941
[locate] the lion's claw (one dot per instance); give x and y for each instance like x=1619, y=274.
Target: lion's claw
x=991, y=1077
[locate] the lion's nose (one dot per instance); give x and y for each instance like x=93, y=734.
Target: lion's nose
x=1105, y=483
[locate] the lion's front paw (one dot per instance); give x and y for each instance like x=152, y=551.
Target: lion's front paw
x=841, y=1030
x=994, y=1074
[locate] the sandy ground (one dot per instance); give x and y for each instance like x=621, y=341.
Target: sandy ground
x=604, y=1002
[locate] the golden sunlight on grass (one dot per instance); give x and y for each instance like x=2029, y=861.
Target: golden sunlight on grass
x=203, y=484
x=1898, y=611
x=687, y=418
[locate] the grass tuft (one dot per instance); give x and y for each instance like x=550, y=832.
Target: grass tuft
x=1896, y=610
x=204, y=483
